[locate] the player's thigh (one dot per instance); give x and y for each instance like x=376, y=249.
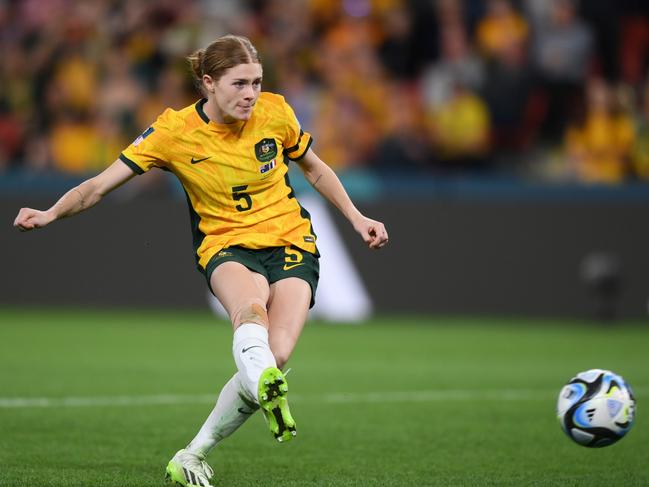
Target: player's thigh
x=235, y=286
x=287, y=313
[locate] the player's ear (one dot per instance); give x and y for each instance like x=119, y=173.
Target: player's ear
x=209, y=83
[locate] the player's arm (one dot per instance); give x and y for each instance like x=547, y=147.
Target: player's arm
x=79, y=198
x=324, y=179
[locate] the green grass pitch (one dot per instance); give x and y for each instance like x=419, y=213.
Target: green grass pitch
x=105, y=398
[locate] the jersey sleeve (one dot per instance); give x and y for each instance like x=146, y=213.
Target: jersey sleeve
x=297, y=142
x=148, y=149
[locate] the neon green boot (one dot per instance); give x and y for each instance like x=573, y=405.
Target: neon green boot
x=272, y=399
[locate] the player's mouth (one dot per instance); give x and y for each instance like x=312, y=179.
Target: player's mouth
x=245, y=111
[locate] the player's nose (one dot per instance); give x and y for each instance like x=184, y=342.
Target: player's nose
x=249, y=93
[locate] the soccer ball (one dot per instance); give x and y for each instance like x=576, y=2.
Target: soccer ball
x=596, y=408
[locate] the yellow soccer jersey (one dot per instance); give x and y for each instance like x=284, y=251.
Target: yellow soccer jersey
x=235, y=175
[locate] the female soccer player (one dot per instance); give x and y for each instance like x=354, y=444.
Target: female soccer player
x=252, y=239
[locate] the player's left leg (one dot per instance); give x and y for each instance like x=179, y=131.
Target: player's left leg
x=288, y=306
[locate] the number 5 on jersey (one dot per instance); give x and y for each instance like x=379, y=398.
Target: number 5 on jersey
x=238, y=194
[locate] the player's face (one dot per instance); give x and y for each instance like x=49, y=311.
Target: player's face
x=236, y=93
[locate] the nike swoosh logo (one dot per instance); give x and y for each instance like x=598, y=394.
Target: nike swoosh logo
x=252, y=346
x=243, y=411
x=288, y=267
x=195, y=161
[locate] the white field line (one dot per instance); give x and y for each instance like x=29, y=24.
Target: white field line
x=334, y=398
x=64, y=402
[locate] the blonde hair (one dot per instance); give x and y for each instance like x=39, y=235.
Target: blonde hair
x=224, y=53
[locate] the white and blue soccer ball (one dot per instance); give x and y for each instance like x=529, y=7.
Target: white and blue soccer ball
x=596, y=408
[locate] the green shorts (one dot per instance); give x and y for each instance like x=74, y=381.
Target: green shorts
x=274, y=263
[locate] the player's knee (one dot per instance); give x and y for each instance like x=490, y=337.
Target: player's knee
x=252, y=310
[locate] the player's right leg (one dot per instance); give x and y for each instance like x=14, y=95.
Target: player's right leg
x=188, y=466
x=244, y=295
x=232, y=409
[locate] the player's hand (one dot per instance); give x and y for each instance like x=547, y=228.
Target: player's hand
x=29, y=219
x=373, y=232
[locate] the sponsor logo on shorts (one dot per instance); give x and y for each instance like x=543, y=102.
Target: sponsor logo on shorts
x=288, y=267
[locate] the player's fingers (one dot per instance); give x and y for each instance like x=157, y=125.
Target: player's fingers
x=19, y=223
x=380, y=237
x=383, y=234
x=377, y=243
x=380, y=242
x=19, y=217
x=25, y=226
x=374, y=234
x=24, y=220
x=367, y=236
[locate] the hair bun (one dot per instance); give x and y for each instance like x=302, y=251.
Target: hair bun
x=196, y=62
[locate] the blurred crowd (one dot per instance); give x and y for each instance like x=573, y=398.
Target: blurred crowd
x=553, y=89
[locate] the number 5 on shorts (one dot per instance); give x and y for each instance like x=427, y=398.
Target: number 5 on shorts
x=293, y=258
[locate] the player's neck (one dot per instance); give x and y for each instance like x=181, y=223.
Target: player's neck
x=216, y=115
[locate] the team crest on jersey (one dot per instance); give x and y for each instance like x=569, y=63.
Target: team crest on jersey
x=266, y=150
x=143, y=136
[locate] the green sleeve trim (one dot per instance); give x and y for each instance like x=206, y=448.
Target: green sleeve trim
x=296, y=146
x=136, y=169
x=306, y=149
